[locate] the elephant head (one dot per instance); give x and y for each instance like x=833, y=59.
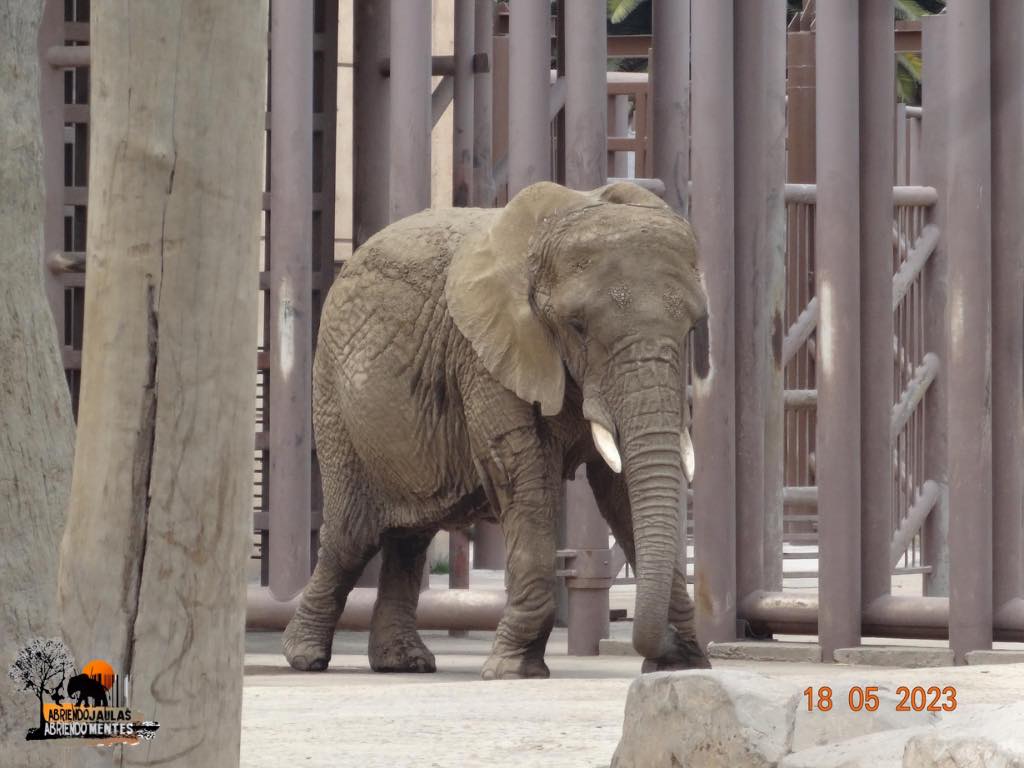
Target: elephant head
x=602, y=286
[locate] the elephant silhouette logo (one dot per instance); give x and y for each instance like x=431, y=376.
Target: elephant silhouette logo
x=91, y=704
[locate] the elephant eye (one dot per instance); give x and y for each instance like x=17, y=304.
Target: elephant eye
x=576, y=324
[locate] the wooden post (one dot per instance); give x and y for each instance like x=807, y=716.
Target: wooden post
x=152, y=575
x=36, y=431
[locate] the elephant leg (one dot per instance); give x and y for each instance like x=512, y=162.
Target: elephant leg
x=349, y=537
x=395, y=645
x=682, y=649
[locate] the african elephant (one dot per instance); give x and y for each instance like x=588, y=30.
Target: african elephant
x=468, y=360
x=84, y=689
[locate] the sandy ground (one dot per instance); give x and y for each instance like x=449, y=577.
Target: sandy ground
x=349, y=716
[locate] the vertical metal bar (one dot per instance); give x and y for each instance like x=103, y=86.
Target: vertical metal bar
x=458, y=567
x=715, y=419
x=585, y=530
x=462, y=122
x=483, y=162
x=800, y=87
x=500, y=84
x=1007, y=305
x=969, y=238
x=291, y=351
x=900, y=124
x=488, y=546
x=837, y=257
x=934, y=152
x=529, y=135
x=371, y=109
x=586, y=100
x=877, y=96
x=619, y=121
x=671, y=84
x=773, y=183
x=409, y=128
x=750, y=290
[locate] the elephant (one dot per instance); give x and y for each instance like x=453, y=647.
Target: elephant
x=468, y=360
x=83, y=689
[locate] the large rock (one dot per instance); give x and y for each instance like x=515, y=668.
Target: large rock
x=816, y=727
x=993, y=740
x=876, y=750
x=707, y=719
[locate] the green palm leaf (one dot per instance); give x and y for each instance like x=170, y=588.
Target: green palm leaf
x=620, y=9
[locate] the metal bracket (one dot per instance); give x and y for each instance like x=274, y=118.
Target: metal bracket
x=586, y=568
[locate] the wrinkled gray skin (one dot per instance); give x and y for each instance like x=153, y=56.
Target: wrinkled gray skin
x=462, y=356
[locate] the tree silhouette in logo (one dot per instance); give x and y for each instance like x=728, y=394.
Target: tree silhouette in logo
x=41, y=667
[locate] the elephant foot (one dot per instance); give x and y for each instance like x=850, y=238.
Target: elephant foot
x=401, y=653
x=515, y=667
x=686, y=653
x=308, y=649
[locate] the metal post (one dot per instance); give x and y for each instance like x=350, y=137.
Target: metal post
x=671, y=112
x=1007, y=290
x=773, y=183
x=587, y=536
x=483, y=162
x=409, y=128
x=529, y=136
x=458, y=567
x=934, y=138
x=969, y=238
x=488, y=546
x=618, y=126
x=291, y=340
x=371, y=108
x=837, y=252
x=586, y=101
x=462, y=122
x=877, y=97
x=753, y=276
x=715, y=421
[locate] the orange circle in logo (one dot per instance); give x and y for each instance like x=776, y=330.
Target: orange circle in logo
x=100, y=670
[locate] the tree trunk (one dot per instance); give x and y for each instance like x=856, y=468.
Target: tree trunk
x=36, y=430
x=152, y=575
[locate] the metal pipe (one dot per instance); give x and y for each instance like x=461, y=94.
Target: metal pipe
x=914, y=263
x=911, y=195
x=409, y=128
x=483, y=36
x=900, y=413
x=585, y=530
x=651, y=185
x=618, y=122
x=800, y=331
x=837, y=254
x=877, y=85
x=529, y=135
x=456, y=609
x=68, y=56
x=586, y=102
x=911, y=524
x=488, y=546
x=1007, y=307
x=291, y=270
x=715, y=414
x=371, y=108
x=670, y=83
x=934, y=132
x=462, y=120
x=969, y=412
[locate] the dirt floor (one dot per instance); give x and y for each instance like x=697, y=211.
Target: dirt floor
x=349, y=716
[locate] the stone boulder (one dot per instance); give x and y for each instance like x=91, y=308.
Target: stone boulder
x=990, y=739
x=883, y=749
x=707, y=719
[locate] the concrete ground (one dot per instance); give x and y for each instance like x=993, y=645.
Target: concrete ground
x=350, y=716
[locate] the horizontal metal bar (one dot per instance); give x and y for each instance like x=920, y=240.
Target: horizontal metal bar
x=902, y=195
x=914, y=112
x=629, y=46
x=911, y=524
x=911, y=267
x=912, y=395
x=625, y=144
x=65, y=56
x=800, y=398
x=465, y=609
x=800, y=495
x=66, y=261
x=76, y=195
x=800, y=331
x=439, y=65
x=76, y=113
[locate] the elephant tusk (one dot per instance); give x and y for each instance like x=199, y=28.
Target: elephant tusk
x=689, y=461
x=606, y=446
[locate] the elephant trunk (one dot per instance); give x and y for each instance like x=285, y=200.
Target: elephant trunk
x=649, y=425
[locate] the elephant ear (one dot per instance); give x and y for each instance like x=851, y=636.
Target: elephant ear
x=626, y=193
x=488, y=297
